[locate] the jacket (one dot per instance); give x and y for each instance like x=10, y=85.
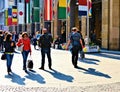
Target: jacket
x=8, y=47
x=26, y=43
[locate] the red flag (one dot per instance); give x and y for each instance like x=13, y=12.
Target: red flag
x=83, y=2
x=9, y=21
x=48, y=10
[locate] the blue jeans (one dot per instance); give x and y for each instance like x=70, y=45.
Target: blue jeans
x=48, y=52
x=25, y=55
x=9, y=58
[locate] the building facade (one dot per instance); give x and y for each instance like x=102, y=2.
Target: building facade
x=111, y=24
x=105, y=21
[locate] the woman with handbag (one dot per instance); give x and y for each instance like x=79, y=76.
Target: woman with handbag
x=25, y=41
x=9, y=46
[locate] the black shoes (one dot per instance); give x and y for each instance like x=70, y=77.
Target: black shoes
x=75, y=66
x=9, y=72
x=41, y=68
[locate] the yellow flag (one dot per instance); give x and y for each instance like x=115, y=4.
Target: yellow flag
x=62, y=3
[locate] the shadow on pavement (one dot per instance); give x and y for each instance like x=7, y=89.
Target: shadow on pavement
x=35, y=77
x=108, y=55
x=60, y=76
x=16, y=78
x=94, y=72
x=89, y=61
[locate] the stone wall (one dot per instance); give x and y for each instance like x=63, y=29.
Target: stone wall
x=111, y=24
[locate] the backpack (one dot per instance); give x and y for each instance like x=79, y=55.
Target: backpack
x=75, y=39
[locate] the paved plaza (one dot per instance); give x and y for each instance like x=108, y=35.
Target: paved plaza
x=98, y=72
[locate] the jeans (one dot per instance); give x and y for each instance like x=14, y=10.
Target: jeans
x=75, y=51
x=25, y=55
x=48, y=52
x=9, y=58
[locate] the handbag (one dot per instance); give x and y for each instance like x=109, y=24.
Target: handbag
x=3, y=56
x=30, y=62
x=20, y=48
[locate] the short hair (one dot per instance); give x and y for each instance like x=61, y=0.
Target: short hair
x=74, y=28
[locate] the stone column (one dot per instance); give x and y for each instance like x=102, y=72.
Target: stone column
x=105, y=18
x=114, y=34
x=111, y=24
x=83, y=26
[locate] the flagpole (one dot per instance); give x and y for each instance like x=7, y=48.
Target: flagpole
x=88, y=21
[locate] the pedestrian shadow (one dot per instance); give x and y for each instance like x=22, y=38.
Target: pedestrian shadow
x=35, y=77
x=60, y=75
x=93, y=71
x=16, y=78
x=89, y=61
x=107, y=55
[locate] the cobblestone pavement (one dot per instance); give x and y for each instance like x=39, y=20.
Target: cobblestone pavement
x=98, y=88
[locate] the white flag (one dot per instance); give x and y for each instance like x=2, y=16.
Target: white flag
x=21, y=13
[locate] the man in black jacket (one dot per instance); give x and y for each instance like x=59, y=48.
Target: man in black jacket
x=45, y=42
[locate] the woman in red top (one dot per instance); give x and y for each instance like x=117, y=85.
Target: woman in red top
x=25, y=41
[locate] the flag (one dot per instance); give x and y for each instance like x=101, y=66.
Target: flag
x=48, y=10
x=9, y=19
x=14, y=15
x=90, y=8
x=21, y=13
x=62, y=9
x=6, y=17
x=83, y=8
x=36, y=11
x=68, y=8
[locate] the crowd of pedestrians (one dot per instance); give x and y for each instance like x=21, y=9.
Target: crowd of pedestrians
x=9, y=42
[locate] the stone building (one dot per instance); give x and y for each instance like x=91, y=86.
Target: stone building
x=105, y=21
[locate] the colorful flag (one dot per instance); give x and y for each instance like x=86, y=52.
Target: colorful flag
x=68, y=8
x=62, y=9
x=90, y=8
x=48, y=10
x=14, y=15
x=9, y=19
x=83, y=8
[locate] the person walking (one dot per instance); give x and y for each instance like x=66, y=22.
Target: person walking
x=1, y=40
x=76, y=42
x=9, y=46
x=34, y=41
x=25, y=41
x=45, y=44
